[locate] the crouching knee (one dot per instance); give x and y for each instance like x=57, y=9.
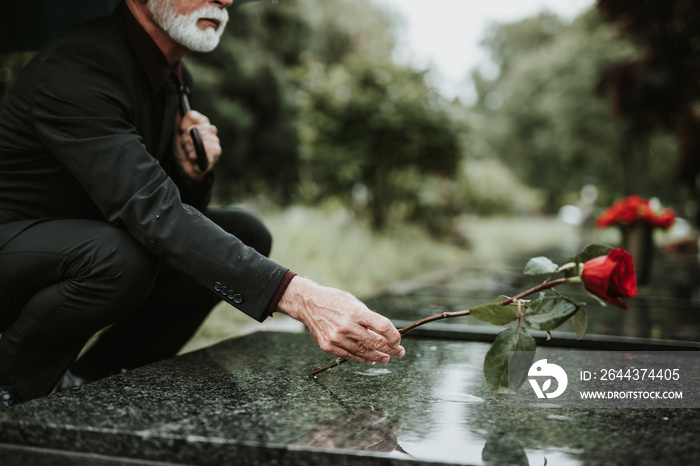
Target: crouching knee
x=117, y=270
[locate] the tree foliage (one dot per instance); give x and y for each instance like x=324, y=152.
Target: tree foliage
x=373, y=136
x=307, y=93
x=543, y=117
x=659, y=88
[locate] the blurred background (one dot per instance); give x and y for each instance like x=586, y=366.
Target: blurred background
x=387, y=139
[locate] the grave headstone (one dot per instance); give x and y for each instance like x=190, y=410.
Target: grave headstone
x=249, y=401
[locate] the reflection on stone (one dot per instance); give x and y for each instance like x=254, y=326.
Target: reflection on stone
x=373, y=372
x=500, y=449
x=364, y=429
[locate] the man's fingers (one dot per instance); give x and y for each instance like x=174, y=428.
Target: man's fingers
x=380, y=325
x=380, y=343
x=364, y=351
x=343, y=353
x=189, y=148
x=211, y=142
x=332, y=343
x=207, y=131
x=193, y=118
x=362, y=344
x=340, y=323
x=349, y=349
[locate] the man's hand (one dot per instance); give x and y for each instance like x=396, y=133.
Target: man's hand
x=185, y=154
x=341, y=324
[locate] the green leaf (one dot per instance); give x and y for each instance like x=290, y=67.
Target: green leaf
x=592, y=251
x=549, y=313
x=512, y=346
x=579, y=322
x=589, y=252
x=495, y=314
x=500, y=299
x=540, y=266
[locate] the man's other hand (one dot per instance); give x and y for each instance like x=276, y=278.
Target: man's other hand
x=341, y=324
x=185, y=154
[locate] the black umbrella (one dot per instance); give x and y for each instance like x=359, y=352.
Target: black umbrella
x=29, y=24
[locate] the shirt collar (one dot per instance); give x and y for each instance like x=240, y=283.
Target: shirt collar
x=150, y=56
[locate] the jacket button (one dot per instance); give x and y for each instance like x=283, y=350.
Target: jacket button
x=217, y=286
x=224, y=290
x=237, y=298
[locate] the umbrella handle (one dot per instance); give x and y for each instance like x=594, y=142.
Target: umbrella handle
x=202, y=160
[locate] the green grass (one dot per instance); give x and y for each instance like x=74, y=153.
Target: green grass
x=528, y=234
x=335, y=249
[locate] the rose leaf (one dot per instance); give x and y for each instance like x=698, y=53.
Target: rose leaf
x=579, y=322
x=549, y=313
x=513, y=348
x=500, y=299
x=495, y=314
x=540, y=266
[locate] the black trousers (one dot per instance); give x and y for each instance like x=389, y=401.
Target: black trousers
x=63, y=280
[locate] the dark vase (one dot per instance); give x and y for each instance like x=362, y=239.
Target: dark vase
x=638, y=240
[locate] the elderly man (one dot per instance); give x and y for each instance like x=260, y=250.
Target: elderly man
x=104, y=219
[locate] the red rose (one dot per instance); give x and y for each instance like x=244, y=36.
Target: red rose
x=611, y=277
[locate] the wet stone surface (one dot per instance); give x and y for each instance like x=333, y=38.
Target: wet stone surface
x=249, y=401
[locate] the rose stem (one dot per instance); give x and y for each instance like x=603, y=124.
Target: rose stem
x=447, y=315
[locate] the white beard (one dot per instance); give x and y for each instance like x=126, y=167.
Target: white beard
x=183, y=28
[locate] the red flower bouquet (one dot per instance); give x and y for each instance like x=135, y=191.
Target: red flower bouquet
x=633, y=210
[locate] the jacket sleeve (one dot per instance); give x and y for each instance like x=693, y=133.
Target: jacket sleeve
x=81, y=110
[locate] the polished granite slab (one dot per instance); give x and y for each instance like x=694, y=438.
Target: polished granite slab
x=24, y=456
x=249, y=401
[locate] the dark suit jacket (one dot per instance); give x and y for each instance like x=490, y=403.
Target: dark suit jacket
x=79, y=138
